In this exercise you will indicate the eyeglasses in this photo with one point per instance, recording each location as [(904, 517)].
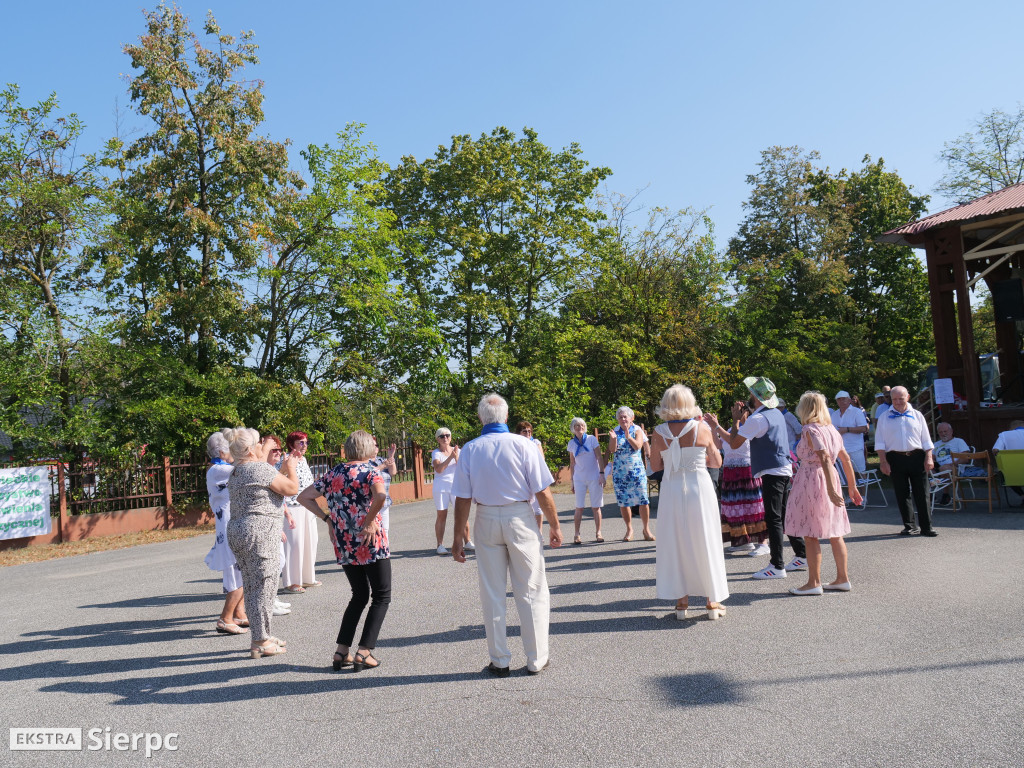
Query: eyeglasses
[(302, 442), (526, 432), (444, 437)]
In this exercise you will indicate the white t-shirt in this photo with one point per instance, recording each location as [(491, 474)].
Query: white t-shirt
[(446, 477), (942, 450), (854, 417), (1011, 440), (500, 468), (587, 466)]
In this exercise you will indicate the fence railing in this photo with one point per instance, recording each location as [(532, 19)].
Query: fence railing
[(92, 486)]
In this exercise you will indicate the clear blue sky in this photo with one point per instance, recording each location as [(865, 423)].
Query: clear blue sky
[(680, 97)]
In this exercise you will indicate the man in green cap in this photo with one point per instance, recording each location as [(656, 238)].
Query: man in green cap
[(765, 428)]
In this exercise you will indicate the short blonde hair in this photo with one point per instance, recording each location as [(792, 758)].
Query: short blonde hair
[(678, 402), (242, 441), (626, 410), (577, 420), (813, 409), (359, 446)]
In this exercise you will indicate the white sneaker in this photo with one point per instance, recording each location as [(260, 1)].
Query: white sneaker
[(771, 572), (281, 604), (280, 611), (760, 550), (796, 564), (469, 545), (748, 547), (442, 550)]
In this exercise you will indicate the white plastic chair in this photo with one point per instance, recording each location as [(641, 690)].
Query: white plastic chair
[(938, 482), (864, 482)]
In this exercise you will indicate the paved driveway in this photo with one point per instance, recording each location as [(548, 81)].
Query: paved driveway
[(921, 665)]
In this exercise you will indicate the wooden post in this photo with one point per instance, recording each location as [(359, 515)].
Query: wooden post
[(62, 495), (168, 492), (419, 481)]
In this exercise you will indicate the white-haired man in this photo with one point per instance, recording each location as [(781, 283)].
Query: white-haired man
[(905, 454), (500, 471)]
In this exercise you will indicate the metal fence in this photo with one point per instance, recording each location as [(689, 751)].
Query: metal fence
[(93, 486)]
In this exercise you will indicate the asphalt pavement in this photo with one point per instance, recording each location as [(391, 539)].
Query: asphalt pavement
[(922, 664)]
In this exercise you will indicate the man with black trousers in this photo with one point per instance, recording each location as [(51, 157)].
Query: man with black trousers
[(765, 428), (905, 454)]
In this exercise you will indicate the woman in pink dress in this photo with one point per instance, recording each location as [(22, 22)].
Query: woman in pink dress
[(815, 509)]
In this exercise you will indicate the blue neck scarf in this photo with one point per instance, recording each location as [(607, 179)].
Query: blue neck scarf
[(621, 433), (219, 460), (894, 414), (581, 445), (491, 429), (677, 421)]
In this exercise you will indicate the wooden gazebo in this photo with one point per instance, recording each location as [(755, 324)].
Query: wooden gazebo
[(979, 240)]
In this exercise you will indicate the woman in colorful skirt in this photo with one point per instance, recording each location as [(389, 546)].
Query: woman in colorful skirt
[(628, 474), (743, 525)]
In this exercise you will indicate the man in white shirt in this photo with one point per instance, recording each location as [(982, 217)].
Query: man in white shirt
[(947, 445), (905, 454), (852, 424), (1011, 440), (501, 471)]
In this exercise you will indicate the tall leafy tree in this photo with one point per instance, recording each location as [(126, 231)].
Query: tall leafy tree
[(652, 313), (503, 227), (985, 159), (196, 191), (54, 203), (819, 303)]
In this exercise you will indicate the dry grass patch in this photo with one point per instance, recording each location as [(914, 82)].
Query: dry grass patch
[(98, 544)]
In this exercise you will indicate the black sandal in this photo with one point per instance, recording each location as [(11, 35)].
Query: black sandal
[(341, 661), (359, 663)]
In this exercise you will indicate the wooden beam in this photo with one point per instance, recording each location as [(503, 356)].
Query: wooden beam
[(994, 238), (987, 269), (1010, 249)]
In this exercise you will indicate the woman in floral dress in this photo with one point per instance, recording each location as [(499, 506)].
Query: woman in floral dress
[(355, 495), (628, 474)]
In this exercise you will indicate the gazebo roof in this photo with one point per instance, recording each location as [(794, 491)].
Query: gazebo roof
[(992, 204)]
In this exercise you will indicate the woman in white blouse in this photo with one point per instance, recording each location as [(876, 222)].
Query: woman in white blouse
[(443, 460), (302, 537), (586, 472)]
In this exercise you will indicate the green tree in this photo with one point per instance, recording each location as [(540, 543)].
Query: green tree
[(820, 304), (53, 206), (503, 228), (986, 159), (652, 314), (196, 192)]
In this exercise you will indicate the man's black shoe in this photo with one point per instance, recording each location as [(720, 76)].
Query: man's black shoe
[(931, 533), (497, 671)]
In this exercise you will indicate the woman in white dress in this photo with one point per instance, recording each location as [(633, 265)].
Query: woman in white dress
[(232, 619), (689, 547), (443, 460), (303, 537), (586, 470)]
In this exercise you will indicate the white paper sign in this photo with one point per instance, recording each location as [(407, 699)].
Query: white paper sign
[(943, 390), (24, 502)]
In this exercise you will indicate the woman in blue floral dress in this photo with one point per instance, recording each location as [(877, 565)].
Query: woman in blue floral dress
[(628, 474), (355, 493)]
